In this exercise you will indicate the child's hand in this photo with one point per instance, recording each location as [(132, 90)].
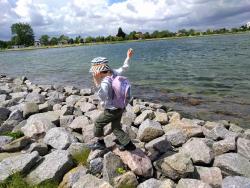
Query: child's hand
[(130, 53)]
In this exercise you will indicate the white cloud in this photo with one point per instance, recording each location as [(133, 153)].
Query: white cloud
[(100, 17)]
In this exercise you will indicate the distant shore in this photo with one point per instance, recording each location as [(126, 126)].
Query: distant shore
[(116, 42)]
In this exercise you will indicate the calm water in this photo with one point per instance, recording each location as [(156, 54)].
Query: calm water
[(206, 77)]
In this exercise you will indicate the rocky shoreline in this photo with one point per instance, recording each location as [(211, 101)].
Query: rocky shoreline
[(57, 124)]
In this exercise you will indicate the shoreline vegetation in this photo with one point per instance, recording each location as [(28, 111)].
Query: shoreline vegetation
[(56, 123), (23, 37), (116, 42)]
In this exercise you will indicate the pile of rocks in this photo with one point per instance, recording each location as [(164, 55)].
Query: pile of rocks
[(171, 151)]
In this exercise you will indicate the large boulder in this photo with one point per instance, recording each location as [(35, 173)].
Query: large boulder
[(65, 121), (137, 161), (218, 133), (127, 179), (54, 166), (175, 166), (111, 163), (152, 183), (192, 183), (161, 117), (86, 107), (90, 181), (79, 122), (149, 130), (147, 114), (59, 138), (17, 145), (243, 147), (224, 146), (236, 182), (21, 163), (176, 137), (35, 97), (5, 140), (4, 114), (96, 166), (233, 164), (29, 109), (160, 144), (93, 115)]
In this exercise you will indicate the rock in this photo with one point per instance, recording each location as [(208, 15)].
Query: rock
[(236, 128), (147, 114), (3, 98), (5, 140), (35, 97), (88, 133), (65, 121), (18, 127), (79, 122), (152, 183), (90, 181), (21, 163), (46, 88), (29, 109), (86, 107), (192, 183), (93, 115), (198, 151), (76, 148), (96, 153), (111, 163), (127, 179), (247, 134), (18, 95), (72, 99), (128, 118), (16, 115), (167, 183), (224, 146), (56, 97), (110, 140), (211, 124), (243, 147), (175, 166), (17, 145), (233, 164), (236, 182), (71, 90), (59, 138), (67, 110), (4, 114), (94, 99), (160, 144), (218, 133), (53, 167), (5, 155), (57, 107), (176, 137), (161, 117), (174, 117), (51, 116), (211, 176), (73, 176), (45, 107), (37, 126), (86, 92), (96, 166), (41, 148), (137, 161), (149, 130), (130, 130)]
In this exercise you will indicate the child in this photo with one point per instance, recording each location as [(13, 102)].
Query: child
[(101, 70)]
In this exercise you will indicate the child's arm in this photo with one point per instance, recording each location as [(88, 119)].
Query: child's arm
[(125, 64)]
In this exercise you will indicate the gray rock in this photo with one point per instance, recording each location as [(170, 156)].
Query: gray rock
[(17, 145), (35, 97), (128, 118), (3, 98), (53, 167), (198, 151), (65, 121), (8, 126), (111, 163), (175, 166), (79, 122), (51, 116), (218, 133), (247, 134), (16, 115), (56, 97), (127, 179), (4, 114), (5, 140), (224, 146), (72, 99), (18, 95), (152, 183), (176, 137), (21, 163), (160, 144), (59, 138), (5, 155), (71, 90), (46, 88), (236, 128), (192, 183), (243, 147), (211, 176), (110, 140), (236, 182), (147, 114), (233, 164), (95, 166), (29, 109), (161, 117), (94, 114), (86, 107), (73, 176), (57, 107), (211, 124), (88, 133), (130, 130), (94, 99), (149, 130), (96, 153), (45, 107), (41, 148), (76, 148), (86, 92), (167, 183), (67, 110), (18, 127), (90, 181)]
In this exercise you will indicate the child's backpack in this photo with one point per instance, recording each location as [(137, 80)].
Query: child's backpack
[(121, 87)]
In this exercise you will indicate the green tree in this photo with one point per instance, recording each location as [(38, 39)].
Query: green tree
[(77, 40), (71, 41), (3, 44), (22, 34), (132, 35), (44, 39), (53, 41), (89, 39), (121, 33)]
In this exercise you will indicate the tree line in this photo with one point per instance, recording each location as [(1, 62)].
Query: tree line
[(23, 35)]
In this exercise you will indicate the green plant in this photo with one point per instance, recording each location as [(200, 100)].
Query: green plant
[(14, 135), (120, 170), (81, 157)]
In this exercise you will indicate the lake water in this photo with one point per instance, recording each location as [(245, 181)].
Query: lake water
[(204, 77)]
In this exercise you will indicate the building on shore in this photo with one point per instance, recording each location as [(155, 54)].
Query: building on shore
[(37, 43)]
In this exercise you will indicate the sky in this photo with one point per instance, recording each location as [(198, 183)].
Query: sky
[(103, 17)]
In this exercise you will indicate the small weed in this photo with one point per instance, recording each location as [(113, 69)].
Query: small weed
[(14, 135), (120, 170), (81, 157)]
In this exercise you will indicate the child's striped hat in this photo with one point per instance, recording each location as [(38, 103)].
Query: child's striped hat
[(99, 64)]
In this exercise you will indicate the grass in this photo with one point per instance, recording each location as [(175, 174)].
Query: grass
[(120, 170), (17, 181), (14, 135), (82, 157)]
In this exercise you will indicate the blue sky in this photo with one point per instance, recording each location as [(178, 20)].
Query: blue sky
[(103, 17)]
